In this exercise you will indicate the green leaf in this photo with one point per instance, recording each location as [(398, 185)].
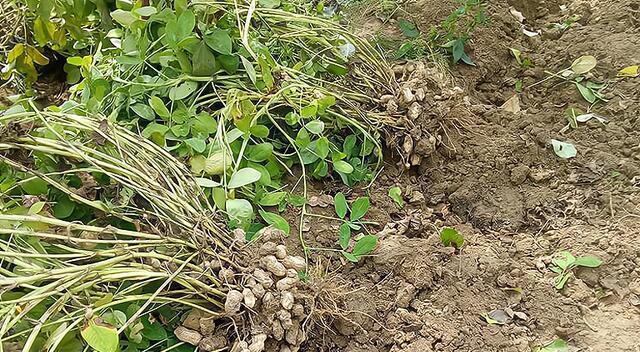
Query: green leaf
[(269, 4), (18, 50), (183, 90), (259, 131), (359, 208), (309, 111), (220, 198), (36, 208), (559, 345), (265, 68), (365, 245), (220, 41), (259, 152), (325, 102), (230, 63), (457, 50), (153, 331), (144, 111), (125, 18), (244, 177), (303, 139), (146, 11), (251, 70), (272, 199), (206, 182), (409, 29), (586, 93), (172, 33), (336, 69), (342, 166), (204, 123), (396, 194), (350, 257), (340, 204), (64, 207), (181, 130), (197, 144), (571, 114), (265, 174), (308, 154), (158, 106), (345, 236), (404, 49), (239, 210), (154, 128), (101, 336), (367, 147), (204, 62), (564, 260), (588, 261), (35, 187), (292, 118), (451, 238), (322, 147), (45, 7), (186, 24), (561, 280), (349, 145), (296, 200), (457, 47), (128, 60), (584, 64), (276, 221), (564, 150), (315, 126)]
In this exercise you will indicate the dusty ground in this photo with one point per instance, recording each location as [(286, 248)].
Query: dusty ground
[(495, 178)]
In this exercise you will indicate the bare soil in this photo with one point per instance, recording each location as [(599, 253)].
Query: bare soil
[(494, 177)]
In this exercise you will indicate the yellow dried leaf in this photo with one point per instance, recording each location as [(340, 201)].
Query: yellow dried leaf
[(631, 71), (37, 56)]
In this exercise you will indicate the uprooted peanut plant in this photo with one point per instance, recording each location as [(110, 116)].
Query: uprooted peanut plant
[(183, 119)]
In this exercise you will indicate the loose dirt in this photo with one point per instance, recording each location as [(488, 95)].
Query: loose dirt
[(493, 175), (463, 161)]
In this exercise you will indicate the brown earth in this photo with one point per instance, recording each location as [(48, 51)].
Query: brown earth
[(495, 178)]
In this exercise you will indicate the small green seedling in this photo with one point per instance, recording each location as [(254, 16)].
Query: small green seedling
[(356, 212), (524, 62), (450, 237), (455, 31), (590, 91), (414, 46), (558, 345), (565, 262), (396, 194), (576, 74), (519, 86), (575, 116), (566, 24)]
